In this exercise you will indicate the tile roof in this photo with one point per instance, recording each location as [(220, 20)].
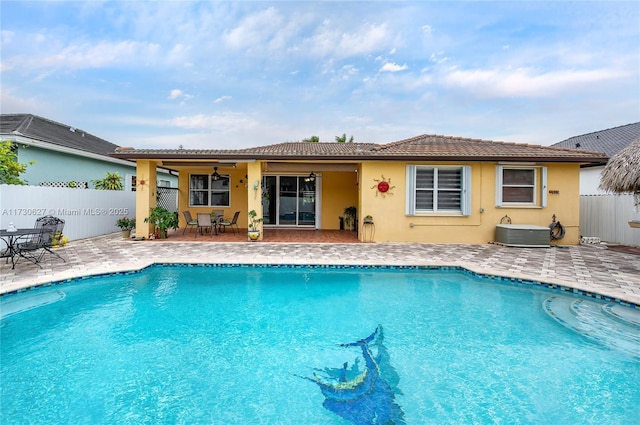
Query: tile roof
[(420, 148), (610, 141), (38, 128)]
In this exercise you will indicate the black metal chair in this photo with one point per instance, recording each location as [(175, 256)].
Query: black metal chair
[(36, 245)]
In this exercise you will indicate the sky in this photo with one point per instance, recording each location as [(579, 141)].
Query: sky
[(228, 75)]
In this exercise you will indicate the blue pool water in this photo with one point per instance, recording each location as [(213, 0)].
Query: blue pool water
[(243, 345)]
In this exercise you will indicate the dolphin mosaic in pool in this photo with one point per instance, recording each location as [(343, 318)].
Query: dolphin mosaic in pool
[(364, 397)]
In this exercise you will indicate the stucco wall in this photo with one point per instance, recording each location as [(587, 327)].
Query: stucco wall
[(393, 225), (343, 189), (339, 191), (237, 197)]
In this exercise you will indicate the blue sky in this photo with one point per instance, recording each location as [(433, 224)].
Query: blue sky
[(240, 74)]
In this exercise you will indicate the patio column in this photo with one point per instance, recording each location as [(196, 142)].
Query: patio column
[(254, 194), (146, 187)]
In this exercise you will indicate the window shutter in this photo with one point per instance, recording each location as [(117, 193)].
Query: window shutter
[(544, 186), (499, 186), (410, 208), (466, 190)]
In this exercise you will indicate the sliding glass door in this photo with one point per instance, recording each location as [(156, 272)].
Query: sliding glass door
[(289, 201)]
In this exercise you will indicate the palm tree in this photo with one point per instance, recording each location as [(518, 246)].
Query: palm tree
[(112, 181)]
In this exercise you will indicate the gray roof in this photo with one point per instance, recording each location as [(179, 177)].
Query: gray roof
[(42, 129), (610, 141)]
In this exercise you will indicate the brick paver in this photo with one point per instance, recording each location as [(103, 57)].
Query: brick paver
[(589, 268)]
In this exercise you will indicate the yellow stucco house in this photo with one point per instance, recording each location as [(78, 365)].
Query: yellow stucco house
[(434, 189)]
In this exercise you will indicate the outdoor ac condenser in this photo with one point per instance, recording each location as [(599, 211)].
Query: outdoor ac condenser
[(523, 235)]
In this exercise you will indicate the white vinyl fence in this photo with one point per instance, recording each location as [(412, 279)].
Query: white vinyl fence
[(86, 212), (607, 217)]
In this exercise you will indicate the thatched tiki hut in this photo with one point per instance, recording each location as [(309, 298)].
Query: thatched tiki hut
[(622, 172)]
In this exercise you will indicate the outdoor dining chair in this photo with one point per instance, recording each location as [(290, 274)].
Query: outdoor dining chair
[(233, 222), (204, 223), (36, 245), (190, 221)]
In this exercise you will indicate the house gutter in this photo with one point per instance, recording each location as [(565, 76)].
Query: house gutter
[(50, 146), (22, 140)]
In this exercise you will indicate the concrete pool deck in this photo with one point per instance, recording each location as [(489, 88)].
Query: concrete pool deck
[(588, 268)]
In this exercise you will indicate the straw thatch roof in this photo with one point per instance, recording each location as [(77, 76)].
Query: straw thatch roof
[(622, 172)]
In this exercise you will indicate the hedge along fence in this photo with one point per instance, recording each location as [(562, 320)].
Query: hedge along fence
[(86, 213)]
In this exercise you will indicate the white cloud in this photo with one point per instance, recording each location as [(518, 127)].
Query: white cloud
[(18, 104), (175, 93), (222, 99), (225, 122), (88, 55), (7, 36), (438, 57), (393, 67), (525, 82), (348, 71), (427, 29), (255, 30), (329, 41)]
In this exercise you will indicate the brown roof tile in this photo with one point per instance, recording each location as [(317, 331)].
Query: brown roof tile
[(447, 147), (419, 148)]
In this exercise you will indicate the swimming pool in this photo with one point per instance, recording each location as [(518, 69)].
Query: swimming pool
[(238, 344)]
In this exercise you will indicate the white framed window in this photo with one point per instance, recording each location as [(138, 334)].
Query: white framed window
[(521, 186), (205, 191), (130, 183), (438, 189)]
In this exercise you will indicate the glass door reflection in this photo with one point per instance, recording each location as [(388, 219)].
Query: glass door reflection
[(289, 201)]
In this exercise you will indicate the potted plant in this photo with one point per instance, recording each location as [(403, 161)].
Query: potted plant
[(367, 219), (126, 224), (254, 230), (350, 217), (162, 219), (58, 240)]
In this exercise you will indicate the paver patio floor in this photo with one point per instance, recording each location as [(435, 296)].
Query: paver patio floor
[(603, 271)]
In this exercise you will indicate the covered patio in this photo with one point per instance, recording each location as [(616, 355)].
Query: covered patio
[(295, 190)]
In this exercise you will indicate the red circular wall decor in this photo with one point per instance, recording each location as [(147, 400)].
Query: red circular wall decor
[(383, 186)]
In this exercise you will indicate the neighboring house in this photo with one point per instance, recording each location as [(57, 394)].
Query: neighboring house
[(610, 141), (64, 154), (435, 189)]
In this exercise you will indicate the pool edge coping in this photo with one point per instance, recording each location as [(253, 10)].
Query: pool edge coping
[(554, 285)]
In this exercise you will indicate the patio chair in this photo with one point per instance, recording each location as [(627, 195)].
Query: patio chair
[(226, 223), (190, 221), (36, 245), (204, 222)]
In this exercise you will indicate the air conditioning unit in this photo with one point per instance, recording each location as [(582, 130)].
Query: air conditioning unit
[(523, 235)]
